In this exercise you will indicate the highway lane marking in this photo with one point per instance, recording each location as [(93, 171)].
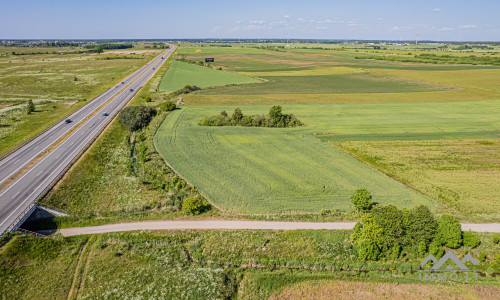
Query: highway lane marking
[(15, 195), (39, 173)]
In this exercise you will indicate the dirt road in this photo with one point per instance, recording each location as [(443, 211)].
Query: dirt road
[(221, 224)]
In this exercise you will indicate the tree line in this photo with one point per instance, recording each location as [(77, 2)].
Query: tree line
[(386, 232), (275, 118)]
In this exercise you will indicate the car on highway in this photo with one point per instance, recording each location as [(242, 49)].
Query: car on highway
[(105, 114), (131, 90), (67, 121), (123, 82)]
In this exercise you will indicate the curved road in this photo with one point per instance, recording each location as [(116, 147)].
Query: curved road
[(17, 200), (233, 225)]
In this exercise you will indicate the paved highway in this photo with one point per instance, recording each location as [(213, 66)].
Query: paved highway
[(18, 198)]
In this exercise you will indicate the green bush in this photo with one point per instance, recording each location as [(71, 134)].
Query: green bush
[(368, 250), (362, 200), (192, 206), (30, 107), (422, 248), (167, 106), (436, 249), (136, 117), (482, 257), (449, 232), (470, 239), (496, 239)]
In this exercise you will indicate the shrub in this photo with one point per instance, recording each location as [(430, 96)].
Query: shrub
[(368, 250), (167, 106), (192, 206), (362, 200), (436, 249), (496, 239), (396, 252), (30, 107), (277, 119), (482, 257), (325, 212), (449, 232), (422, 248), (136, 117), (470, 239)]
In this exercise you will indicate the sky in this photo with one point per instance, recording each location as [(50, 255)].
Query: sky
[(456, 20)]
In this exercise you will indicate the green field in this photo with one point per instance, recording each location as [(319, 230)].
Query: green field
[(49, 80), (462, 174), (211, 264), (260, 170), (182, 73)]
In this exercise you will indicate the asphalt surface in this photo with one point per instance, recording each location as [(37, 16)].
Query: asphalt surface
[(233, 225), (20, 195)]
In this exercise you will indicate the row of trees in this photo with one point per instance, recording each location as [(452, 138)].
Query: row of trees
[(384, 231), (275, 118)]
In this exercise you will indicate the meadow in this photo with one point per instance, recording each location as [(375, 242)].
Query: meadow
[(225, 264), (58, 82), (182, 73), (464, 175)]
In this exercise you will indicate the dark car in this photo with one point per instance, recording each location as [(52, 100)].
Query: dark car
[(131, 90), (67, 121), (123, 82), (105, 114)]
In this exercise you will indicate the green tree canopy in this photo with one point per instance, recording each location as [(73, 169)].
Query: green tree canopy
[(136, 117), (362, 200), (449, 232), (30, 107)]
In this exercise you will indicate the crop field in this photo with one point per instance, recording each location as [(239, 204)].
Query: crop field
[(182, 72), (337, 77), (262, 170), (57, 84)]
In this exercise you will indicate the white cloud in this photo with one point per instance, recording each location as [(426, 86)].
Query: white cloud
[(468, 26), (286, 16), (330, 21), (257, 22), (446, 29), (398, 28), (436, 9)]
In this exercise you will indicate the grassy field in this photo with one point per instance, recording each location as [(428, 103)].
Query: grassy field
[(182, 73), (295, 170), (203, 265), (462, 174), (49, 80)]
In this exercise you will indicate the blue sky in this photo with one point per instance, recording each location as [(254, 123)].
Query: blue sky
[(315, 19)]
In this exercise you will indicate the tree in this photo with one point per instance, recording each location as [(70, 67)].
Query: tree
[(136, 117), (391, 221), (362, 200), (223, 113), (275, 113), (449, 232), (237, 115), (368, 250), (470, 239), (436, 249), (75, 79), (496, 239), (30, 107), (420, 225), (422, 248), (167, 106), (192, 206)]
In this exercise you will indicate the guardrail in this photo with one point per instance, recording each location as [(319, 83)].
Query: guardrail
[(32, 206)]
